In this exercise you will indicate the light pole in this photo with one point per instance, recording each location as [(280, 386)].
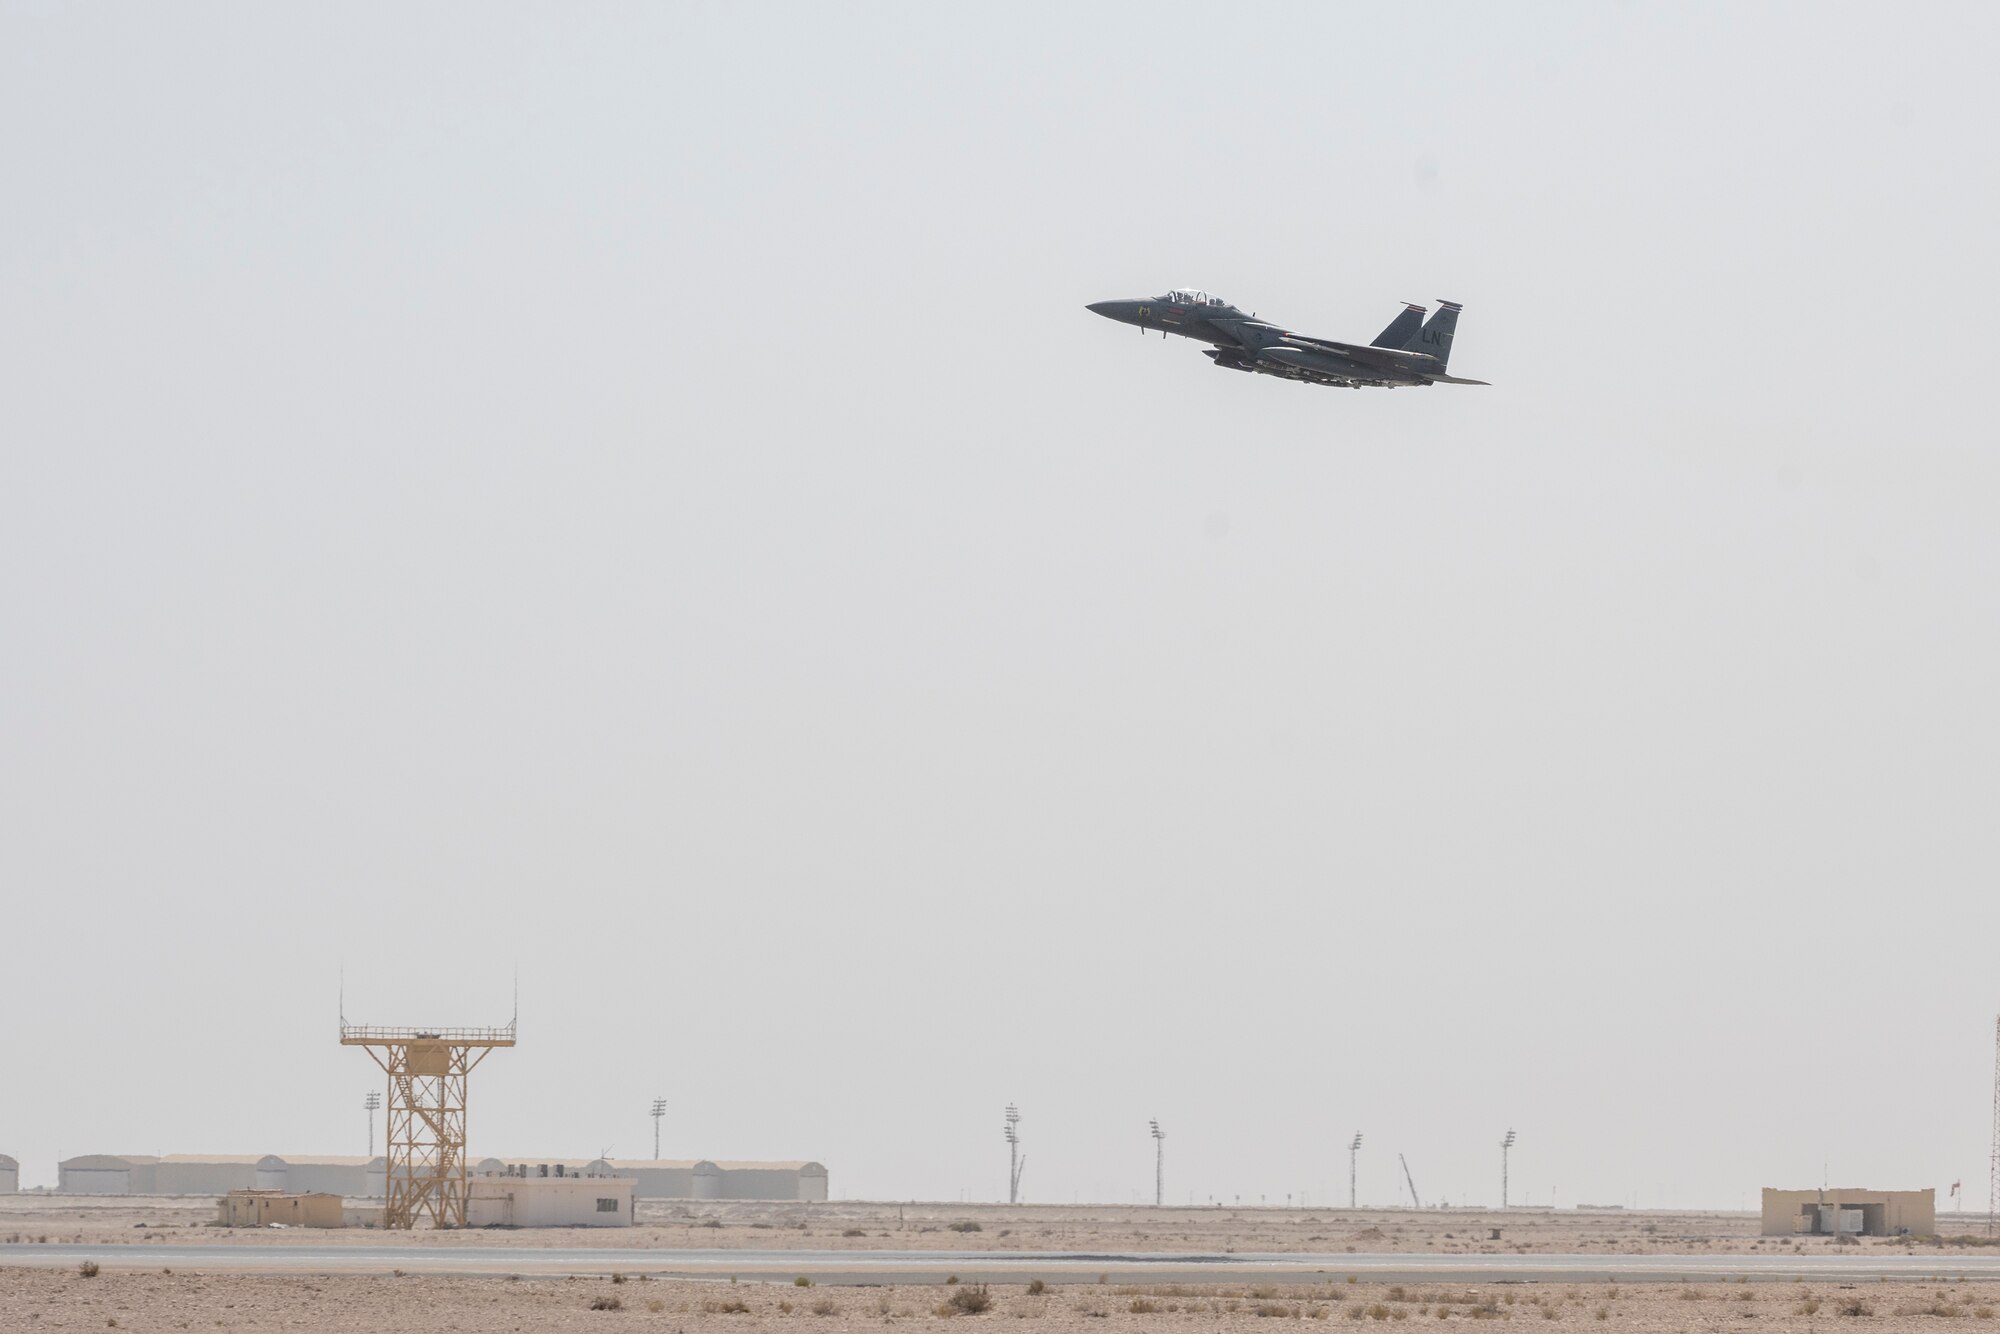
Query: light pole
[(1159, 1163), (1014, 1160), (659, 1110), (1505, 1145), (371, 1102), (1352, 1150)]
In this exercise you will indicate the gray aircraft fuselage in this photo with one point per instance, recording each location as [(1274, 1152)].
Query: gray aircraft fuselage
[(1409, 352)]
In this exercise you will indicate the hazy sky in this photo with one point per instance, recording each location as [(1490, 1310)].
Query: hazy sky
[(633, 492)]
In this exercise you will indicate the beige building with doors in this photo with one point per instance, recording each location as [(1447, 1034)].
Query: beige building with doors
[(1850, 1212), (270, 1208)]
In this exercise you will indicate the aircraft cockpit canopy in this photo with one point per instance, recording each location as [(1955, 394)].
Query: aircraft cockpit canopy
[(1188, 296)]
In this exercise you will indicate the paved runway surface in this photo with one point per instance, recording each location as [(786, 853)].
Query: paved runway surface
[(908, 1267)]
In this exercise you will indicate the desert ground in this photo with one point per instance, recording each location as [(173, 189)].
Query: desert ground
[(62, 1299), (135, 1294), (866, 1226)]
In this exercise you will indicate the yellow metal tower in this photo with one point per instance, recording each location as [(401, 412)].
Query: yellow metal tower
[(425, 1138)]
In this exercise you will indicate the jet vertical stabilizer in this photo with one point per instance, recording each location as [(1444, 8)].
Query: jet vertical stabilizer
[(1401, 329), (1434, 339)]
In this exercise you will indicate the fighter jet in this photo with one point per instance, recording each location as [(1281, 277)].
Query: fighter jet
[(1411, 351)]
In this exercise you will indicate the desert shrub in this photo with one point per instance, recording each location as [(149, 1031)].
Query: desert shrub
[(1856, 1306), (606, 1304), (729, 1306), (825, 1306), (1603, 1313), (617, 1277), (1036, 1287), (1378, 1312), (967, 1226), (1143, 1306), (709, 1222), (88, 1269), (1692, 1295), (1399, 1293), (969, 1300), (655, 1305), (784, 1308), (1550, 1313), (855, 1232), (802, 1282), (1810, 1306)]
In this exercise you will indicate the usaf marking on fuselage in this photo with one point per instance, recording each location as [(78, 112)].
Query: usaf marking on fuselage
[(1411, 351)]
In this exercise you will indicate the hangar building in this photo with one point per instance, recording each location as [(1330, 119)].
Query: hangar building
[(1867, 1213), (10, 1175), (107, 1174), (679, 1179), (211, 1174)]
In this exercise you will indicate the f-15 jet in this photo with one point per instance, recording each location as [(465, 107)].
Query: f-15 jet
[(1411, 351)]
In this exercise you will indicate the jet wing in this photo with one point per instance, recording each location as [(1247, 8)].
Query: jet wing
[(1388, 358)]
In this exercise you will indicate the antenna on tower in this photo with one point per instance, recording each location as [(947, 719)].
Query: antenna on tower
[(1015, 1160)]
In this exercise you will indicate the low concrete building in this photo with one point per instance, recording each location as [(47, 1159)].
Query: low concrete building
[(551, 1201), (1866, 1213), (10, 1175), (271, 1208), (107, 1174)]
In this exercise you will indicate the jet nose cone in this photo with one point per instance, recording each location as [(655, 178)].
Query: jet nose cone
[(1101, 307)]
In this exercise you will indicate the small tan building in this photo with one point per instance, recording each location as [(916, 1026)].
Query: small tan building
[(1865, 1213), (551, 1201), (270, 1208)]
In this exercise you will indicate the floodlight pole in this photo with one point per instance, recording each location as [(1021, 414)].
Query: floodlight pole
[(1505, 1145), (659, 1110), (1159, 1163), (371, 1102), (1014, 1162), (1352, 1150)]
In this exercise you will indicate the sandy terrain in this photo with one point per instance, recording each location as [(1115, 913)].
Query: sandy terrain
[(930, 1226), (46, 1300), (59, 1297)]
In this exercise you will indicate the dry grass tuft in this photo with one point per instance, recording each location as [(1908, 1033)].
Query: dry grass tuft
[(606, 1304), (969, 1300)]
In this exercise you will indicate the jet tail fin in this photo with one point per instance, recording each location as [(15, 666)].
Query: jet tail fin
[(1401, 329), (1434, 339)]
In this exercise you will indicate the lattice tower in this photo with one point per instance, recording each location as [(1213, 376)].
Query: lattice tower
[(425, 1134)]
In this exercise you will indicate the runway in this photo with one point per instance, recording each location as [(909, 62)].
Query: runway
[(879, 1268)]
